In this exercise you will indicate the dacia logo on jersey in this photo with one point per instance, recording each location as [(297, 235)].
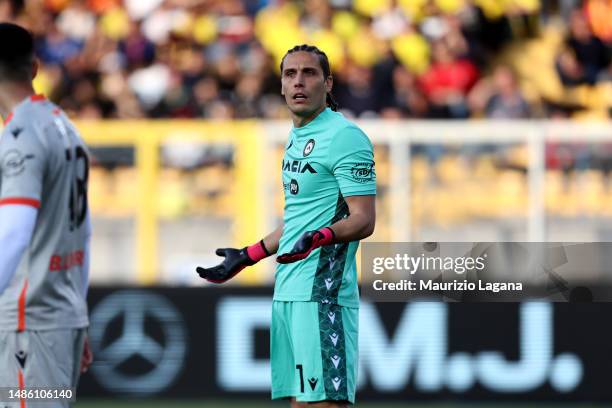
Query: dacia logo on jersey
[(309, 147), (295, 166), (13, 162), (363, 172)]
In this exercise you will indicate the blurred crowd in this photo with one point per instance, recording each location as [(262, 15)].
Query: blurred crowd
[(219, 59)]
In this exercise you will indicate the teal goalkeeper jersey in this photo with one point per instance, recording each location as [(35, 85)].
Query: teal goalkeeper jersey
[(325, 161)]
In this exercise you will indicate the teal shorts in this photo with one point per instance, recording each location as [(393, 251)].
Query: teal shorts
[(314, 351)]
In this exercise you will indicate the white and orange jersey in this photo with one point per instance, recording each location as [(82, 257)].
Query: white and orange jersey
[(44, 164)]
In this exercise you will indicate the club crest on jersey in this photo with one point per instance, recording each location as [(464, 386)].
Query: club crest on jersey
[(309, 147)]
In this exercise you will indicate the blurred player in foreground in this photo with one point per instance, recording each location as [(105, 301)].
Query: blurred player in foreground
[(330, 186), (44, 232)]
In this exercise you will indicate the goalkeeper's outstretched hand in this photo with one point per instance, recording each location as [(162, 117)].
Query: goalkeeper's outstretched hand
[(235, 261), (308, 242)]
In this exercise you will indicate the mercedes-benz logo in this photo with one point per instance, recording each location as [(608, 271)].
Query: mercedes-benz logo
[(139, 342)]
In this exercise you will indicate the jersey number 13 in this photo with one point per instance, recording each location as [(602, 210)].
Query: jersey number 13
[(77, 202)]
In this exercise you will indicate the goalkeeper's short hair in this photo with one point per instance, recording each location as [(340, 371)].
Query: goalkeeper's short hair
[(16, 53)]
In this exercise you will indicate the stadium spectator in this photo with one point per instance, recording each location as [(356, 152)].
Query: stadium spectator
[(499, 96), (136, 50), (590, 51), (56, 47), (447, 82), (408, 96), (355, 91)]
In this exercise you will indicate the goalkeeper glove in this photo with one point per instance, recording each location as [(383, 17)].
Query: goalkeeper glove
[(235, 261), (308, 242)]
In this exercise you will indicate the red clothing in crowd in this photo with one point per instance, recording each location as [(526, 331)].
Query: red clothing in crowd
[(458, 76)]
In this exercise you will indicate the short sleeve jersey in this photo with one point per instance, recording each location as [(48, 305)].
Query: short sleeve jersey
[(44, 164), (326, 160)]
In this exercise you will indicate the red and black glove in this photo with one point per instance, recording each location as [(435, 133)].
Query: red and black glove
[(308, 242), (235, 261)]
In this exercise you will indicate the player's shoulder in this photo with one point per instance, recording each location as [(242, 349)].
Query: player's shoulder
[(32, 114), (19, 130), (346, 131), (25, 127)]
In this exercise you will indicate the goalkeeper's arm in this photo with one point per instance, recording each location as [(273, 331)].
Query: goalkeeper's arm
[(272, 239), (358, 225), (361, 220), (238, 259)]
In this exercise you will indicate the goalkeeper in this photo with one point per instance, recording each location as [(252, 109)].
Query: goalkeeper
[(330, 185)]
